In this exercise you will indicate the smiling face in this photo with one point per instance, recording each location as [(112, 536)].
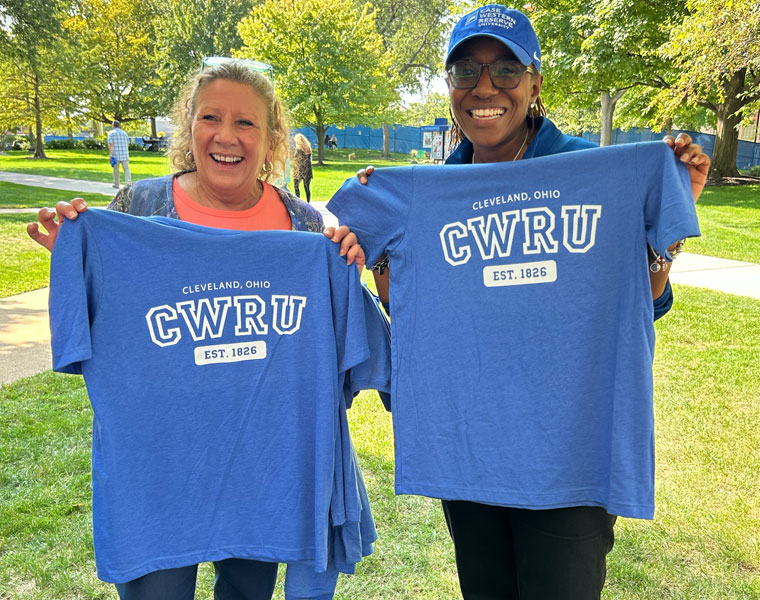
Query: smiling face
[(229, 139), (493, 119)]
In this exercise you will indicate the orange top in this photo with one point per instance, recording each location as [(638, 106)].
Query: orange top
[(268, 213)]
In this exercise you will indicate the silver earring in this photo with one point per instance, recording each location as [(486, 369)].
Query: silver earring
[(268, 167), (189, 154), (533, 106)]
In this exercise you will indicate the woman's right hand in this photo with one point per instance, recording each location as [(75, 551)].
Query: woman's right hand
[(363, 174), (46, 218)]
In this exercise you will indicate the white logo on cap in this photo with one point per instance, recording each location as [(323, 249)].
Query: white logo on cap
[(471, 19), (538, 58)]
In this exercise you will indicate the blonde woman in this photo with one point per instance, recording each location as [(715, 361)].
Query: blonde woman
[(302, 165)]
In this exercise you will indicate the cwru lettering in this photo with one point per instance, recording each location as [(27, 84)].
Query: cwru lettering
[(206, 318), (493, 235)]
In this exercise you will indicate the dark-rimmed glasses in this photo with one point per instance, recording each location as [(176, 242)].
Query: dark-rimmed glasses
[(504, 74)]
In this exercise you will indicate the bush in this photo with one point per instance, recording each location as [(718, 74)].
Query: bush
[(16, 142), (134, 147), (754, 170), (64, 145), (95, 144)]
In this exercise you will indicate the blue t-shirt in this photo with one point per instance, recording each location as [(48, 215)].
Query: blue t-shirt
[(216, 378), (522, 321)]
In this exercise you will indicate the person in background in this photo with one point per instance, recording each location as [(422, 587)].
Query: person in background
[(333, 142), (231, 140), (118, 153), (493, 68), (302, 170)]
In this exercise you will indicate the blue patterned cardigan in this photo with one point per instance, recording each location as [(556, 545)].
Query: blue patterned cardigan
[(154, 197)]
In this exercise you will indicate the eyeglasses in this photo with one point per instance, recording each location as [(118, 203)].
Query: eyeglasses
[(504, 74), (209, 62)]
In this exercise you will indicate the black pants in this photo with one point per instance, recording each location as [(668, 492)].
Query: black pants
[(235, 579), (513, 553), (305, 187)]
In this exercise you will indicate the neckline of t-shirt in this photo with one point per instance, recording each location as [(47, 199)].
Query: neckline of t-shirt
[(184, 198)]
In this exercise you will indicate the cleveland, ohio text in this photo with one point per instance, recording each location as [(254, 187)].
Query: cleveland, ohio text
[(493, 235)]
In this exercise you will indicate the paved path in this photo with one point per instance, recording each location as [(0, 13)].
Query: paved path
[(24, 332), (58, 183)]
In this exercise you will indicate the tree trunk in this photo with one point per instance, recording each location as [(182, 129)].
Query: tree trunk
[(39, 147), (320, 131), (387, 142), (153, 132), (727, 138), (608, 110)]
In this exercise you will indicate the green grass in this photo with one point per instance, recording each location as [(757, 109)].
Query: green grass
[(702, 544), (729, 217), (13, 195), (91, 165), (24, 264)]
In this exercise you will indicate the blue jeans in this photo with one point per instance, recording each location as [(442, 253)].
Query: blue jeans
[(235, 579)]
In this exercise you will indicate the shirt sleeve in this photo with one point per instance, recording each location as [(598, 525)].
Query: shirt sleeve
[(375, 372), (352, 346), (378, 211), (669, 210), (73, 278)]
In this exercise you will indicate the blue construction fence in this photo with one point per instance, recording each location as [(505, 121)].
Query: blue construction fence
[(404, 139)]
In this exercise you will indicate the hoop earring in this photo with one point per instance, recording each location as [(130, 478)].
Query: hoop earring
[(268, 167), (189, 155)]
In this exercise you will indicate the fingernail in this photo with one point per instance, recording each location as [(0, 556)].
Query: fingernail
[(84, 204)]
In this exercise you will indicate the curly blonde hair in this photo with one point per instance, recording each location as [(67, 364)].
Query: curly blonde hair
[(302, 143), (184, 112)]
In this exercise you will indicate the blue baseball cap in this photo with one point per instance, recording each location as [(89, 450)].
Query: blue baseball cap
[(511, 27)]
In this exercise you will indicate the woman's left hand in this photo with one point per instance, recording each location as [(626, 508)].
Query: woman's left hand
[(692, 156), (349, 244)]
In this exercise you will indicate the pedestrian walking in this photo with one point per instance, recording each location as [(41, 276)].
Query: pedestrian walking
[(118, 153)]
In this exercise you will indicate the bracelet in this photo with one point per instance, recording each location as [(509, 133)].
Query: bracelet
[(381, 265), (659, 263)]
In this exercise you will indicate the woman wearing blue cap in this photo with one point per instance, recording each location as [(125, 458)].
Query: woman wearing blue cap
[(493, 67)]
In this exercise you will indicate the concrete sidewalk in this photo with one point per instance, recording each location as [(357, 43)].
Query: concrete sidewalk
[(59, 183), (94, 187)]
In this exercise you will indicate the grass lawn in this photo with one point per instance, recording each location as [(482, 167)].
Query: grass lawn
[(24, 264), (13, 195), (729, 217), (91, 165), (701, 545)]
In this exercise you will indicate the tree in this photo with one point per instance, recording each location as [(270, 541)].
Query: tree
[(116, 59), (430, 107), (415, 30), (595, 52), (716, 49), (329, 61), (29, 36), (185, 32)]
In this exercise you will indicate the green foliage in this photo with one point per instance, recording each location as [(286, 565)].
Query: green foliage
[(432, 106), (716, 52), (416, 31), (114, 58), (94, 144), (185, 32), (329, 61)]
